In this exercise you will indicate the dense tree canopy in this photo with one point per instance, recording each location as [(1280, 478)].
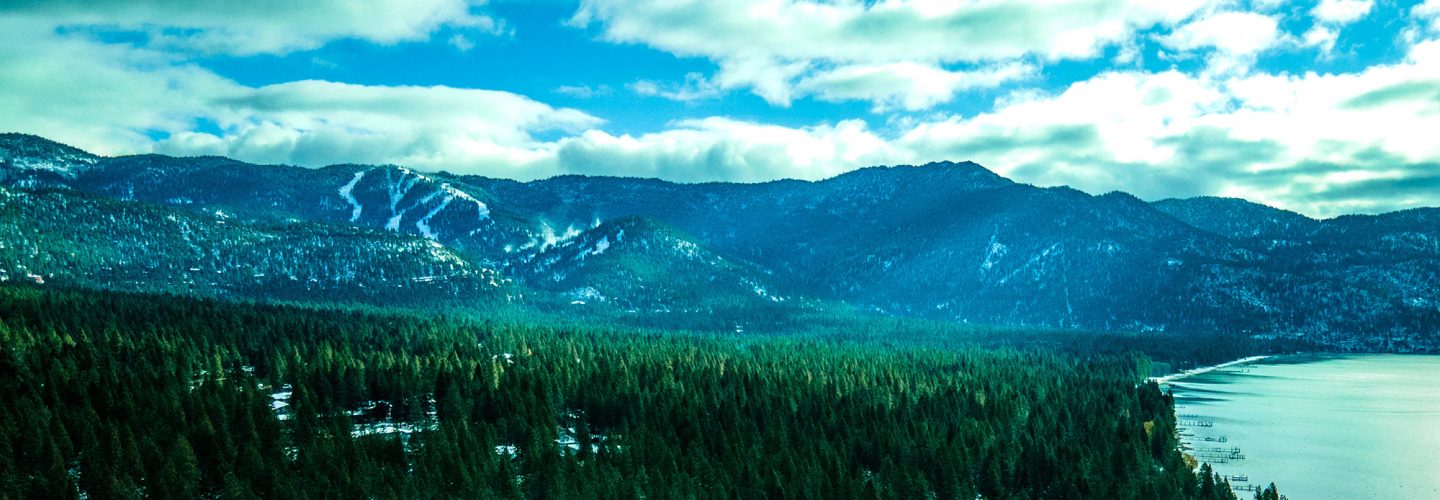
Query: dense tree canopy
[(118, 395)]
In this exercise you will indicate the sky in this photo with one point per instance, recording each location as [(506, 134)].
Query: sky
[(1323, 107)]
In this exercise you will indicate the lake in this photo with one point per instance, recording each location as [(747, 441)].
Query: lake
[(1361, 426)]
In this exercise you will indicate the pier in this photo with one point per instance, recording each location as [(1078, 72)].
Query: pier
[(1207, 448)]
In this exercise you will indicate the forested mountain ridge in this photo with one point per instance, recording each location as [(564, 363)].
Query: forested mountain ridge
[(642, 265), (949, 241), (67, 238)]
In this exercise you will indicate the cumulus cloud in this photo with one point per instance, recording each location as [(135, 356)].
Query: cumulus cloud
[(1234, 37), (695, 87), (1330, 17), (103, 97), (1238, 33), (315, 122), (776, 48), (1322, 37), (1322, 144), (584, 91), (118, 99), (256, 26), (878, 32), (461, 42), (1429, 12), (723, 149), (1341, 11), (1105, 132), (906, 85)]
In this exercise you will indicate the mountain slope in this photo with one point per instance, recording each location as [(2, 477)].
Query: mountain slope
[(949, 241), (30, 161), (638, 264), (380, 197), (943, 240), (1238, 218), (77, 239)]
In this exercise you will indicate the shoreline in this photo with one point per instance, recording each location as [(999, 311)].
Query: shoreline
[(1206, 369)]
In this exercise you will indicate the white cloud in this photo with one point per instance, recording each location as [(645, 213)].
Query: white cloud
[(104, 98), (1430, 8), (461, 43), (880, 32), (1075, 136), (258, 26), (1236, 37), (1321, 37), (49, 86), (1268, 5), (773, 47), (1239, 33), (315, 123), (1323, 144), (903, 85), (906, 85), (1341, 11), (584, 91), (1330, 17), (714, 149), (771, 79), (695, 87), (1428, 11)]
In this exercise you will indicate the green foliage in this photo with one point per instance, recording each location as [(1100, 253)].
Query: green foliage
[(1269, 493), (118, 395)]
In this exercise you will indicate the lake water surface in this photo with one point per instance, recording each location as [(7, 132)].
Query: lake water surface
[(1343, 427)]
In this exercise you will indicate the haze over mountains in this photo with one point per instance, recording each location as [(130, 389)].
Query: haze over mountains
[(949, 241)]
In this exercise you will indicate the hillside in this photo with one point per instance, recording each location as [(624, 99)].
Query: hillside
[(76, 239), (945, 241)]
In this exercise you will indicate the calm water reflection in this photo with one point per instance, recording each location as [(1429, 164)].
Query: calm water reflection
[(1365, 426)]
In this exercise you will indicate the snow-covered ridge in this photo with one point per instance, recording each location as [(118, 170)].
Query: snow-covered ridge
[(399, 185)]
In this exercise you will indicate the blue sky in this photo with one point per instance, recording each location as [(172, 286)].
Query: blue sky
[(1325, 107)]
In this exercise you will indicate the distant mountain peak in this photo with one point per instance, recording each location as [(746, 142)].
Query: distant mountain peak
[(942, 175), (33, 158), (16, 139)]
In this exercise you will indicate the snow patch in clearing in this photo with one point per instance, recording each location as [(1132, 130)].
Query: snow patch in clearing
[(424, 223), (549, 239), (397, 190), (348, 193)]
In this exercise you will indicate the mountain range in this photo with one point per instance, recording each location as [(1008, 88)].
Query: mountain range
[(945, 241)]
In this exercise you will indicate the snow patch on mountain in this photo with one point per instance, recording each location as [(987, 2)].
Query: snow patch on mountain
[(993, 252), (26, 153), (424, 223), (549, 239), (398, 189), (1037, 259), (348, 193)]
